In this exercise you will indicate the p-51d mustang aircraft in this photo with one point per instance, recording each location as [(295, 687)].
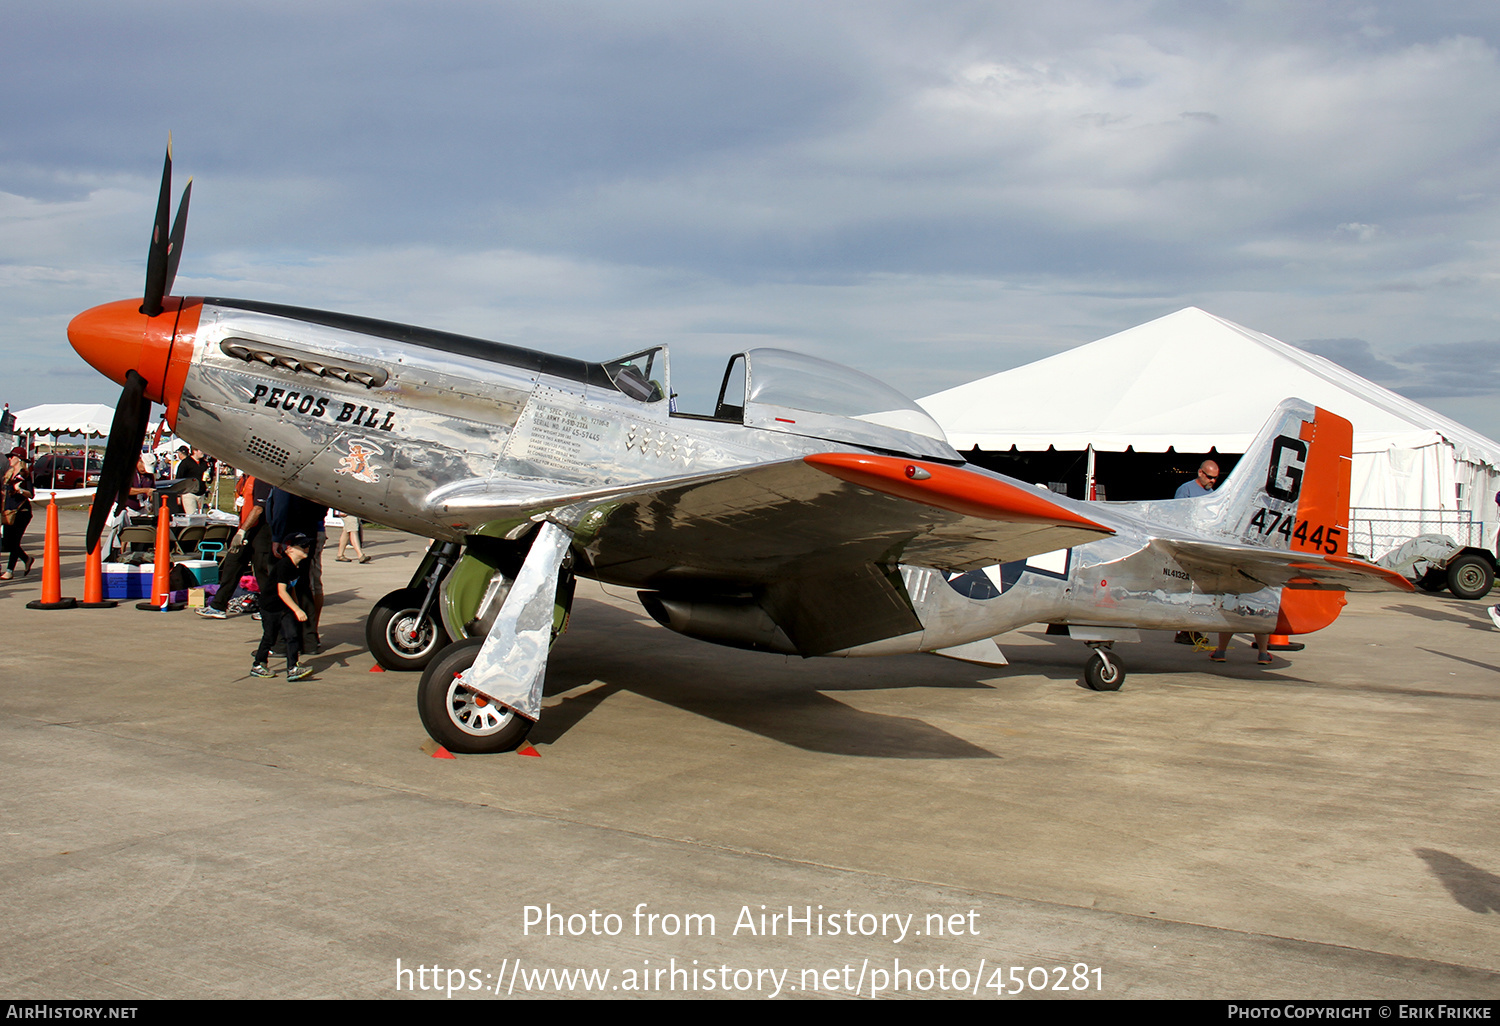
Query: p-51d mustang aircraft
[(815, 512)]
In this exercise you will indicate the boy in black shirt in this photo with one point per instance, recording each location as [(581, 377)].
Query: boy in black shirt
[(283, 606)]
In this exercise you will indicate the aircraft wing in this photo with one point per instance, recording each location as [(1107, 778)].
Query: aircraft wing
[(1237, 569), (757, 523), (816, 541)]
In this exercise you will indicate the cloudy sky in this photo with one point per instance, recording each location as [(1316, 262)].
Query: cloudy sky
[(933, 191)]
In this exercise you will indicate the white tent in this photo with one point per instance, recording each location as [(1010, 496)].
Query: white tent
[(1192, 382), (65, 419)]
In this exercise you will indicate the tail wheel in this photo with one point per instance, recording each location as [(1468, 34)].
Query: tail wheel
[(1102, 674)]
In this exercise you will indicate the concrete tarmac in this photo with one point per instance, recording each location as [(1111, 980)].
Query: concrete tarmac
[(171, 827)]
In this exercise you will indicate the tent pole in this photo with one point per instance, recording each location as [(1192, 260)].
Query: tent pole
[(1088, 476)]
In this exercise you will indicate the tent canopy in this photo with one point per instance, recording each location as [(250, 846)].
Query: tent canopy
[(66, 419), (1194, 382), (1189, 381)]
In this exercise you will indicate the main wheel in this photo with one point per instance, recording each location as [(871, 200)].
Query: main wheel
[(1103, 676), (396, 639), (1470, 577), (462, 720)]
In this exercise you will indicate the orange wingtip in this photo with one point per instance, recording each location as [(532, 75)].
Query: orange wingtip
[(954, 489)]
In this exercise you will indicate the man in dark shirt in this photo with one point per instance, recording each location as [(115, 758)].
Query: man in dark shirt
[(251, 545), (291, 514), (197, 468)]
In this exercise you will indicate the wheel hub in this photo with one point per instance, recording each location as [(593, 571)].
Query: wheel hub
[(409, 636), (472, 712)]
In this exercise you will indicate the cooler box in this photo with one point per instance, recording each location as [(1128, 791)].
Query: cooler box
[(204, 571), (123, 581)]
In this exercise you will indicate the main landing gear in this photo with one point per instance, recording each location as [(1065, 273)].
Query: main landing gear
[(405, 629), (482, 694), (460, 718)]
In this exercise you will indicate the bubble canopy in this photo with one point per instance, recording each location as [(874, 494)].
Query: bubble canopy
[(804, 395)]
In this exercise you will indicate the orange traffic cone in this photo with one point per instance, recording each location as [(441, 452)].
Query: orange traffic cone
[(1284, 643), (52, 567), (93, 579), (161, 569)]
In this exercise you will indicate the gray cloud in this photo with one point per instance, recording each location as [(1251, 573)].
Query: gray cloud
[(933, 190), (1354, 354), (1433, 370)]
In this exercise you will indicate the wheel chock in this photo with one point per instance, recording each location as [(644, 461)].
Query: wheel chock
[(526, 749), (436, 750)]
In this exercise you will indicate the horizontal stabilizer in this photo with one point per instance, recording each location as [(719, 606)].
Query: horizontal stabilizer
[(1240, 569)]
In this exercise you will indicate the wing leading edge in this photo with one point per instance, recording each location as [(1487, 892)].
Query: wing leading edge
[(815, 542)]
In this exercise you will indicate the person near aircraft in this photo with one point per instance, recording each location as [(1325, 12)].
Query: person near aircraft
[(1262, 645), (1206, 481), (250, 546), (17, 504), (282, 611), (144, 484), (291, 516), (198, 468), (350, 536)]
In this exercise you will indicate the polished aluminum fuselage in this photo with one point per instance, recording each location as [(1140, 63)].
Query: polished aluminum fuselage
[(389, 429)]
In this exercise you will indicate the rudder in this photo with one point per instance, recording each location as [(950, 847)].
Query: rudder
[(1290, 492)]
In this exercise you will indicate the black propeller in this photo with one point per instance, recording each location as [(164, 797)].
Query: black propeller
[(166, 249), (128, 429), (126, 433)]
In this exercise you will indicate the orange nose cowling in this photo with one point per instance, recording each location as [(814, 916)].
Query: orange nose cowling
[(117, 337)]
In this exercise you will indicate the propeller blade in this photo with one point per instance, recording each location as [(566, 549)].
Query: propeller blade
[(121, 452), (156, 256), (174, 247)]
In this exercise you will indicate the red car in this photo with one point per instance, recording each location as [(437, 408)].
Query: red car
[(53, 471)]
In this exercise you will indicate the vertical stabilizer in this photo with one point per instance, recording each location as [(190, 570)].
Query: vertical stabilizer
[(1290, 492)]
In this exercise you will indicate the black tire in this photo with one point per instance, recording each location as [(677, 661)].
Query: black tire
[(1470, 577), (1433, 580), (459, 719), (389, 626), (1102, 676)]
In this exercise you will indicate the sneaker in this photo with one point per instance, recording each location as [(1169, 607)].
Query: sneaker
[(298, 672), (213, 614), (262, 670), (255, 615), (1495, 616)]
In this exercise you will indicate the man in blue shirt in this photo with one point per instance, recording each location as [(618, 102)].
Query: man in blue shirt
[(1206, 481)]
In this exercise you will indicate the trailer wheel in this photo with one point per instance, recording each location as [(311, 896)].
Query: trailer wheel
[(1433, 580), (1470, 577)]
